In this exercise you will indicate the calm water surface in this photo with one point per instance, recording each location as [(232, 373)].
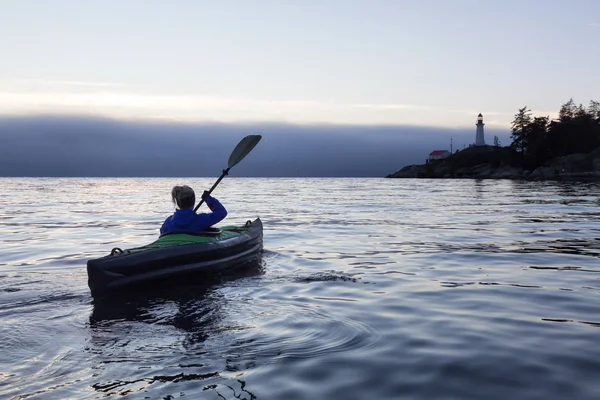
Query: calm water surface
[(369, 289)]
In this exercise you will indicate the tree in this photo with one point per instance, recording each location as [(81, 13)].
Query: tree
[(496, 141), (580, 111), (537, 134), (576, 131), (519, 129), (537, 140), (568, 111), (594, 110)]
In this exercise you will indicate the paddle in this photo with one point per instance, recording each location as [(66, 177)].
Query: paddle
[(244, 147)]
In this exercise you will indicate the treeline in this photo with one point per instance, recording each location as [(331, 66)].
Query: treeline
[(539, 139)]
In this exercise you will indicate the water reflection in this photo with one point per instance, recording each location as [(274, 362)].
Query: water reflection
[(193, 296), (563, 188), (163, 337), (192, 308), (479, 186)]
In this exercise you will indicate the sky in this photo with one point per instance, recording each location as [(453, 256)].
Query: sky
[(403, 63)]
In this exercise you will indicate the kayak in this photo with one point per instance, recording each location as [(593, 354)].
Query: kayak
[(175, 255)]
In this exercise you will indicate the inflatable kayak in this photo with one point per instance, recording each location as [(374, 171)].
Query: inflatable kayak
[(175, 255)]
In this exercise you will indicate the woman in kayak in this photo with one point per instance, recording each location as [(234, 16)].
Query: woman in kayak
[(185, 219)]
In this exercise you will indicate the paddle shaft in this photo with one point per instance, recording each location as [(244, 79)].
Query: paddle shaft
[(244, 147), (225, 172)]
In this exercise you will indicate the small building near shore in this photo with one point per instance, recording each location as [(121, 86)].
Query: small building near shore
[(438, 155)]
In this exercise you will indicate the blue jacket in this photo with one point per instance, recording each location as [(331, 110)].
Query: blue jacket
[(187, 221)]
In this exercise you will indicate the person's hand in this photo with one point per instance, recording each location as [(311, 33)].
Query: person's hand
[(205, 194)]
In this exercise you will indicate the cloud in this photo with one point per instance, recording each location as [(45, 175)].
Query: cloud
[(107, 99), (92, 146), (67, 83), (596, 25), (415, 107), (36, 96)]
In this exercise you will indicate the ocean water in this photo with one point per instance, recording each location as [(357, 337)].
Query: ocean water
[(368, 289)]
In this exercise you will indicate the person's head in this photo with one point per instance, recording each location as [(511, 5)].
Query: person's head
[(183, 196)]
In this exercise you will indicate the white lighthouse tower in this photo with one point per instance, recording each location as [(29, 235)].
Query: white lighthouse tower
[(479, 140)]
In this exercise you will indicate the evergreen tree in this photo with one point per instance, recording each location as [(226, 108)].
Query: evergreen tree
[(576, 131), (537, 146), (567, 111), (580, 111), (537, 140), (594, 110), (519, 129)]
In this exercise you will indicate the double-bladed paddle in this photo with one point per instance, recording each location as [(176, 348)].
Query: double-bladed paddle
[(244, 147)]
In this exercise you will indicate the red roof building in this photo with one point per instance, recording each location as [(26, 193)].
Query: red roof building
[(438, 154)]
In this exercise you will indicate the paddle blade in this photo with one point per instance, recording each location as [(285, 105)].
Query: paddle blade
[(244, 147)]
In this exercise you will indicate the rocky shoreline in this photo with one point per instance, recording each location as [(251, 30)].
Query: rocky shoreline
[(571, 167)]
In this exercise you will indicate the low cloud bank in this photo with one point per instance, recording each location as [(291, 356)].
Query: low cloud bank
[(96, 147)]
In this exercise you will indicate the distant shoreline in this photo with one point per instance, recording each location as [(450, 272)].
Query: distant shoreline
[(488, 162)]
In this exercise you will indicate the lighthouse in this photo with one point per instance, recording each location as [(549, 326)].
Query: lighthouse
[(479, 140)]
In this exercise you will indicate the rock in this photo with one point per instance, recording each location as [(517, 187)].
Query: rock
[(442, 169), (410, 171), (495, 163), (482, 171), (508, 172)]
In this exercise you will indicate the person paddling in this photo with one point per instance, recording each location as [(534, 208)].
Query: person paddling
[(185, 219)]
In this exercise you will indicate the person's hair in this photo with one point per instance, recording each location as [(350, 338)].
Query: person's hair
[(183, 196)]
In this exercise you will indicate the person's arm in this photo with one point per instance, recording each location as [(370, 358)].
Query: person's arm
[(165, 225), (218, 211)]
